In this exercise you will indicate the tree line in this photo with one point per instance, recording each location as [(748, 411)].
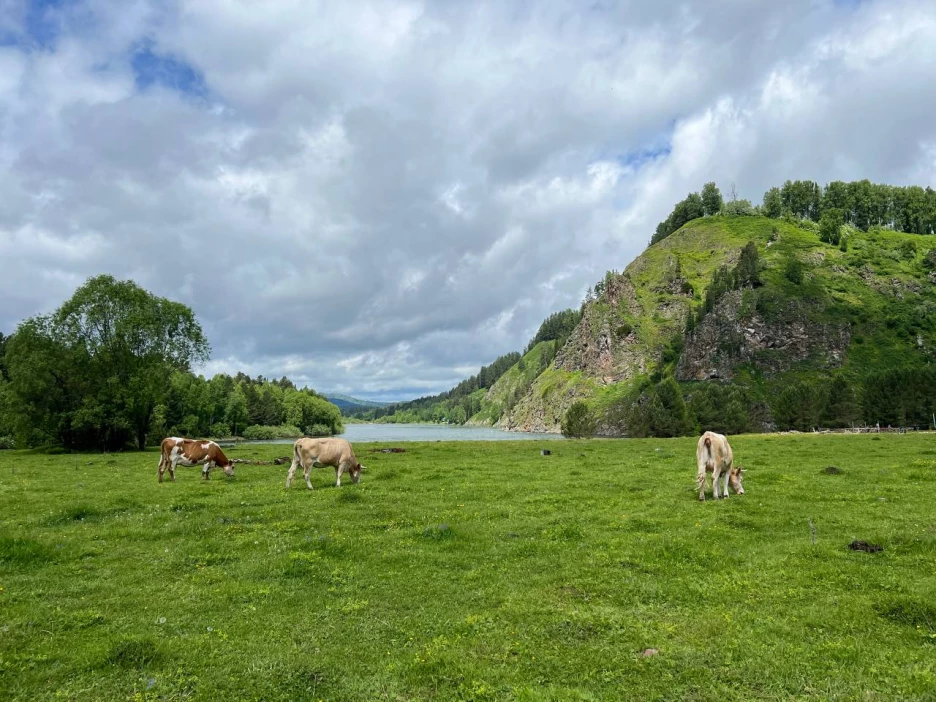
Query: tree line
[(861, 203), (112, 367), (458, 405), (903, 397)]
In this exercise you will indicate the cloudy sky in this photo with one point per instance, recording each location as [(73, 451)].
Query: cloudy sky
[(378, 197)]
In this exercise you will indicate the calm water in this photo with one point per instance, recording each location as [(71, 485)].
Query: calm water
[(429, 432)]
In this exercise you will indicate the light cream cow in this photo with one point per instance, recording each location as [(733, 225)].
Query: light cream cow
[(713, 455), (324, 452)]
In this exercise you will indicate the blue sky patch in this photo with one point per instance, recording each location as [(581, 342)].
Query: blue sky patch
[(42, 23), (151, 68)]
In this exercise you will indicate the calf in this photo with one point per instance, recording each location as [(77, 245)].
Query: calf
[(713, 455), (191, 452), (324, 452)]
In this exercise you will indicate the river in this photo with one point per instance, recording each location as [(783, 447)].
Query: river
[(392, 433)]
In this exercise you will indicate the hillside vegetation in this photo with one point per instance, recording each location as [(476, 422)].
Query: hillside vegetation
[(817, 325), (474, 571), (810, 310)]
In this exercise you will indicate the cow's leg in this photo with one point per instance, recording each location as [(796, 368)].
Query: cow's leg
[(716, 474), (305, 472), (161, 468), (292, 472), (725, 483), (338, 471), (700, 482), (171, 464), (206, 470)]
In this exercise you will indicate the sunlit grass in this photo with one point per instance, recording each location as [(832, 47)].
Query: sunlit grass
[(475, 571)]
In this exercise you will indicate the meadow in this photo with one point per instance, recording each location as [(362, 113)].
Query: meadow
[(475, 571)]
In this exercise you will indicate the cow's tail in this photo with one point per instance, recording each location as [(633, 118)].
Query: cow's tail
[(296, 461)]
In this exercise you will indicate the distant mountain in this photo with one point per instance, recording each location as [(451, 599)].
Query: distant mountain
[(349, 405)]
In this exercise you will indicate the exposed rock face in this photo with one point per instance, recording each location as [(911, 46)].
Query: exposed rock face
[(604, 346), (539, 414), (728, 337)]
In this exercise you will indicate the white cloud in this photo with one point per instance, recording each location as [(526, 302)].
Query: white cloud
[(376, 197)]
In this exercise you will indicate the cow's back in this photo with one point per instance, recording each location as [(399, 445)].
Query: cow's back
[(327, 451)]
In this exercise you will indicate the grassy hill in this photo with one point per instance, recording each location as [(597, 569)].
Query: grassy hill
[(474, 571), (797, 333), (819, 311), (514, 384)]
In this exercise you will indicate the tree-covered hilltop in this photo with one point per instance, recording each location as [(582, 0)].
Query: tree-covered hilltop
[(112, 367), (861, 203)]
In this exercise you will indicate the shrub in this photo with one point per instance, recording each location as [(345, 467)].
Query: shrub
[(258, 432), (738, 208), (7, 442), (219, 430), (793, 271), (578, 421)]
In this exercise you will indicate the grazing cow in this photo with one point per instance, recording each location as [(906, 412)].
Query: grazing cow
[(324, 452), (191, 452), (713, 455)]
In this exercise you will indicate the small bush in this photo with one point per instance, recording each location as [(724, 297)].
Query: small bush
[(320, 430), (578, 421), (7, 442), (219, 430), (257, 432), (738, 208), (929, 260), (793, 271)]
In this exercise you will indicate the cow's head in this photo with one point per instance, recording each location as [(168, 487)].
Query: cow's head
[(735, 478), (356, 471), (228, 469)]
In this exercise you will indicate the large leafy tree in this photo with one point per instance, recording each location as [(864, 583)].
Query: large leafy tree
[(92, 373), (711, 199), (830, 226)]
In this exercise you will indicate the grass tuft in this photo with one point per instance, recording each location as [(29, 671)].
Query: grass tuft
[(916, 613), (15, 551), (135, 653)]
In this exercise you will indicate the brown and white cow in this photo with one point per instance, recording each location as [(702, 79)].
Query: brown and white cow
[(191, 452), (324, 452), (713, 455)]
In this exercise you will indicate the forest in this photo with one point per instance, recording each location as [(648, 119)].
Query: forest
[(861, 203), (112, 369)]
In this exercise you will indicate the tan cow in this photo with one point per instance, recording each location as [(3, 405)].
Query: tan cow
[(324, 452), (713, 455), (191, 452)]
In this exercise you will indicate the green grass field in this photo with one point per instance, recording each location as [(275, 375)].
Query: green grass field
[(475, 571)]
